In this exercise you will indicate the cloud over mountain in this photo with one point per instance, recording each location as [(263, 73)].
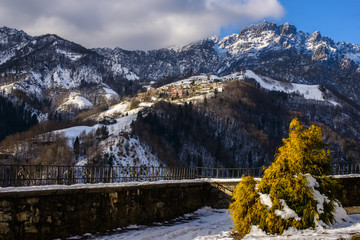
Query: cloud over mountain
[(129, 24)]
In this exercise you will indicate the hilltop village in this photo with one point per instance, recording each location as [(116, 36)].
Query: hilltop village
[(192, 89)]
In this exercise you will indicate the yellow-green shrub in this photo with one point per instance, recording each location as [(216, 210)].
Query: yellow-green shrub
[(301, 156)]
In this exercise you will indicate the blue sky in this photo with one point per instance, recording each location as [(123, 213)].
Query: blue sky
[(338, 19), (154, 24)]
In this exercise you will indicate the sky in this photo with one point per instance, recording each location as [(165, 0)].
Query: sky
[(154, 24)]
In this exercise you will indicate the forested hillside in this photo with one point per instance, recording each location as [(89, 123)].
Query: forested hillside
[(242, 127)]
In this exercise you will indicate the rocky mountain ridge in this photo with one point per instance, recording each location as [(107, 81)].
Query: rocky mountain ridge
[(36, 64), (279, 51), (48, 69)]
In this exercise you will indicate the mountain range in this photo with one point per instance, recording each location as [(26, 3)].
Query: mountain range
[(278, 51), (303, 75), (48, 61)]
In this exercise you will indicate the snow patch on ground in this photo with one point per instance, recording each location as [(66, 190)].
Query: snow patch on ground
[(311, 92), (122, 124), (110, 94), (61, 78), (129, 152), (71, 55), (307, 91), (216, 224), (123, 149), (77, 101), (116, 110), (204, 224), (344, 231), (120, 70)]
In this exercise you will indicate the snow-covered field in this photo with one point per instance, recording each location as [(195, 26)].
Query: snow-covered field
[(122, 124), (208, 223)]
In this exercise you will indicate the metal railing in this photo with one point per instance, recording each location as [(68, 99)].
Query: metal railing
[(345, 168), (202, 172), (32, 175)]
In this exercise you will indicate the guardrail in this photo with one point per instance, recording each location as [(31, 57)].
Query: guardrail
[(202, 172), (346, 168), (31, 175)]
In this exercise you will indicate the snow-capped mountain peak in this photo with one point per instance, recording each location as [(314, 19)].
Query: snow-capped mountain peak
[(46, 66)]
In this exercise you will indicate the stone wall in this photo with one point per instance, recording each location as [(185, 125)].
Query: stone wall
[(49, 214), (350, 190), (59, 213)]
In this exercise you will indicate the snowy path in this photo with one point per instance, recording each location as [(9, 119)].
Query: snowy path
[(208, 223), (205, 223)]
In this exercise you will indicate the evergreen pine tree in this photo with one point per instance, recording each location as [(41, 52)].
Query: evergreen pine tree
[(298, 172), (77, 147)]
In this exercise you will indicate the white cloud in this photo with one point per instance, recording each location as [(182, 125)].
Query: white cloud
[(134, 24)]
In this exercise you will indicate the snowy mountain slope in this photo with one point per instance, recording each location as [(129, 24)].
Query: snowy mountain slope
[(77, 101), (313, 92), (53, 52), (121, 125), (123, 149), (53, 77), (270, 37), (238, 126), (283, 52), (41, 67), (278, 51), (48, 62), (242, 125)]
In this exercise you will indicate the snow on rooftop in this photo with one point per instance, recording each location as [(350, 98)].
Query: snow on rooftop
[(201, 77)]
